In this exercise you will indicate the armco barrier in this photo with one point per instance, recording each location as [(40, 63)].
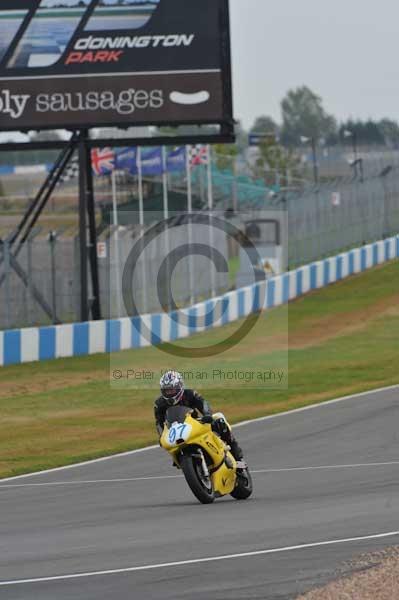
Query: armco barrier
[(79, 339)]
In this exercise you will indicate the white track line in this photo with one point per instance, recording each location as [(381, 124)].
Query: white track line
[(82, 464), (55, 483), (325, 467), (157, 477), (195, 561), (249, 422), (319, 405)]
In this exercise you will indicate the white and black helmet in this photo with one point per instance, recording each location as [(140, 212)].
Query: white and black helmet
[(172, 387)]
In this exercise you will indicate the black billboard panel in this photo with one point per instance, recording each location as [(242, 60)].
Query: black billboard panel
[(75, 63)]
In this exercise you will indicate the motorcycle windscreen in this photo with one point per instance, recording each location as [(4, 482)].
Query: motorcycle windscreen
[(177, 414)]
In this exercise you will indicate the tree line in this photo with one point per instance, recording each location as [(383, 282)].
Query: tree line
[(303, 115)]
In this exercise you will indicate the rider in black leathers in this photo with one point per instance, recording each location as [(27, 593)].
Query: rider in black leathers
[(173, 394)]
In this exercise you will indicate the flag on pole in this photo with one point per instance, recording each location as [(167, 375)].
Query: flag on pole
[(105, 160), (198, 155), (151, 162), (209, 174), (71, 171), (176, 160), (165, 184), (126, 160), (102, 160), (140, 185)]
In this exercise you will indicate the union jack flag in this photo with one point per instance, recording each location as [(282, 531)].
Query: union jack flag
[(102, 160), (198, 155)]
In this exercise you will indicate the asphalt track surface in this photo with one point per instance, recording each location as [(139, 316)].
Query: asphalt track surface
[(83, 520)]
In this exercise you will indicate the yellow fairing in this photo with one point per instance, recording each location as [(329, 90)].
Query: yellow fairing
[(223, 469)]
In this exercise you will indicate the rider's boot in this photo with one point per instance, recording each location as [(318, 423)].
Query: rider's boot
[(222, 428), (236, 450)]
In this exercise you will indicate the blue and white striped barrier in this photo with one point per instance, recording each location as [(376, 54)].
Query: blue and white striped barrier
[(80, 339)]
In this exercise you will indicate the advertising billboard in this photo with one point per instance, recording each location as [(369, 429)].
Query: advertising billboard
[(88, 63)]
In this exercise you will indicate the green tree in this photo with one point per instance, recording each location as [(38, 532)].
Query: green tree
[(367, 132), (241, 137), (264, 124), (390, 131), (225, 155), (304, 115), (276, 164)]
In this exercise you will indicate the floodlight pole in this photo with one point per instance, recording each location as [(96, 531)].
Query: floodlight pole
[(315, 165), (355, 155)]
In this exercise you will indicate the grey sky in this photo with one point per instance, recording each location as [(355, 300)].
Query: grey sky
[(345, 50)]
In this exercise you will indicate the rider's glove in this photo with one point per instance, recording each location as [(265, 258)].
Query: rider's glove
[(206, 420)]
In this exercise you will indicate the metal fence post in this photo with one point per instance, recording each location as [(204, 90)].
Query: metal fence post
[(29, 274), (7, 273), (52, 238), (31, 298)]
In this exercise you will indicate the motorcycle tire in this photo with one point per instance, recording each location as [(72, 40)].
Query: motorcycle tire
[(244, 487), (191, 472)]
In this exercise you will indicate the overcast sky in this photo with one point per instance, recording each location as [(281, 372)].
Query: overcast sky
[(346, 51)]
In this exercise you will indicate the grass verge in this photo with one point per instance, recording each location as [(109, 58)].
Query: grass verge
[(342, 340)]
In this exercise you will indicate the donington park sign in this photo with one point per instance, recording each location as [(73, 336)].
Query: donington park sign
[(85, 63)]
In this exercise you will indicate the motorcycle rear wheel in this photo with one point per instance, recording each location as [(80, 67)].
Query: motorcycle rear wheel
[(192, 470)]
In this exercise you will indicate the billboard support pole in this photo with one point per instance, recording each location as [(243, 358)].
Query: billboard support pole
[(84, 309), (95, 305)]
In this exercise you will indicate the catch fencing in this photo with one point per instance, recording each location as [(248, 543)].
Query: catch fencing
[(52, 280), (341, 215), (322, 220), (80, 339)]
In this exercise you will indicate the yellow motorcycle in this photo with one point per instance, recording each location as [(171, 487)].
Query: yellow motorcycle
[(210, 469)]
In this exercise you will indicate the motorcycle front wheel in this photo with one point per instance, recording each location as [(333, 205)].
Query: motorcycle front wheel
[(200, 485)]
